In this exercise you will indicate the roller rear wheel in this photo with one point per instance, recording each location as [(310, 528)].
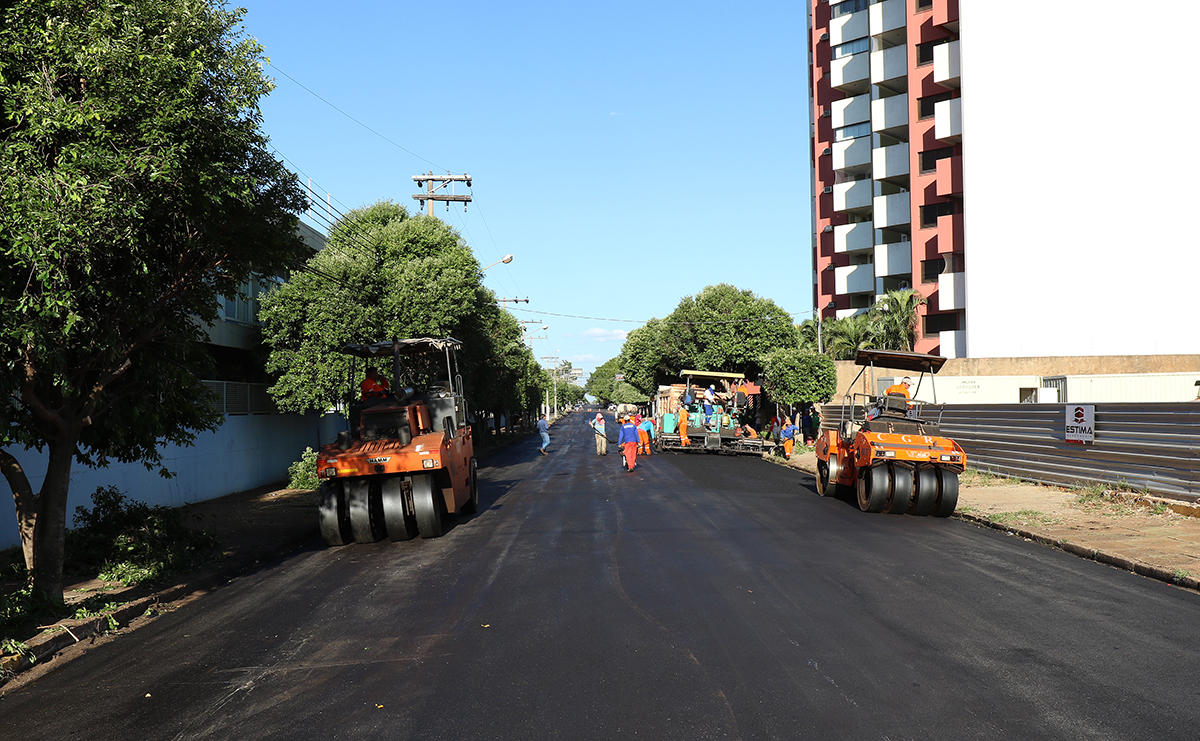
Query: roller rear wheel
[(333, 514), (947, 493), (901, 490), (824, 487), (366, 511), (927, 492), (471, 506), (428, 506), (873, 484), (400, 524)]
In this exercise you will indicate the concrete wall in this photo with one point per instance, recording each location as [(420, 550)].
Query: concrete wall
[(246, 452)]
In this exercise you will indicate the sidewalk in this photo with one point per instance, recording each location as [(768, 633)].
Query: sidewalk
[(1152, 536)]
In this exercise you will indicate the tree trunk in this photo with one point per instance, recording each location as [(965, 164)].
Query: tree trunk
[(50, 529), (26, 503)]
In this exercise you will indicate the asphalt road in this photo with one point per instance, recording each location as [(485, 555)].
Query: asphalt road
[(698, 597)]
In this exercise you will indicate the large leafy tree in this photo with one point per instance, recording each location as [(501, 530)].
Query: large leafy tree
[(792, 375), (385, 275), (603, 385), (135, 190), (722, 328)]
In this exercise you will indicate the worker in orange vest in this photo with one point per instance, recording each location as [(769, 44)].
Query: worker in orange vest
[(683, 425), (900, 389), (373, 386)]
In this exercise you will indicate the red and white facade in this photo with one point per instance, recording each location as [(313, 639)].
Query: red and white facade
[(887, 157)]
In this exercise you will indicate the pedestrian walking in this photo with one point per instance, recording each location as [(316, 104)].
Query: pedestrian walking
[(543, 428), (628, 442), (597, 426)]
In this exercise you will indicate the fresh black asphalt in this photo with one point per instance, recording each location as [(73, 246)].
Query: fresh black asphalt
[(699, 597)]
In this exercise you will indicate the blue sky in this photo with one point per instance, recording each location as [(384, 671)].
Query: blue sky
[(627, 154)]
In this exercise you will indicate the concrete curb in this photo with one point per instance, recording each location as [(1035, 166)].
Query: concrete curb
[(1092, 554)]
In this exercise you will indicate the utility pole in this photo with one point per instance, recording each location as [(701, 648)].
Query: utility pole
[(554, 376), (512, 300), (431, 190)]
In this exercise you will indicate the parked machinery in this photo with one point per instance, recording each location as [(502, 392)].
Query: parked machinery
[(889, 448), (408, 459)]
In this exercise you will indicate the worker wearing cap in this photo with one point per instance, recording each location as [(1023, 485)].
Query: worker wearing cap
[(900, 389), (628, 442), (597, 426), (374, 387)]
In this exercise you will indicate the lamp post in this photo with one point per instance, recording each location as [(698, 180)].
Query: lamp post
[(506, 259)]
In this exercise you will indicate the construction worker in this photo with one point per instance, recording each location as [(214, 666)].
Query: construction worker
[(748, 431), (597, 426), (373, 386), (900, 389), (683, 425), (788, 433), (628, 442), (645, 436)]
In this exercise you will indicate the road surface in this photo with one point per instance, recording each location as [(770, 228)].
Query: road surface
[(699, 597)]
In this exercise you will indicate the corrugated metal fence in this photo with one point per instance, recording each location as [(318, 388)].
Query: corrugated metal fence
[(1148, 446)]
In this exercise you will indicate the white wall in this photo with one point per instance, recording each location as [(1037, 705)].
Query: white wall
[(1078, 176), (246, 452)]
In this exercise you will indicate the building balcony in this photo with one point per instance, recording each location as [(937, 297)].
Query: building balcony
[(852, 73), (891, 211), (952, 294), (890, 116), (947, 65), (889, 162), (852, 153), (853, 237), (947, 120), (945, 14), (949, 176), (847, 313), (887, 17), (893, 259), (950, 233), (854, 279), (849, 27), (954, 343), (850, 110), (855, 196), (889, 64)]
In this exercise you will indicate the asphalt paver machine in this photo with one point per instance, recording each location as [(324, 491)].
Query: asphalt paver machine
[(408, 459), (889, 449)]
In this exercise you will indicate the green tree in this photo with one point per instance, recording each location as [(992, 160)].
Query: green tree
[(895, 317), (843, 338), (135, 190), (385, 274), (722, 328), (792, 375)]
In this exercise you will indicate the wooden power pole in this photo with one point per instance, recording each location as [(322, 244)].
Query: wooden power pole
[(434, 183)]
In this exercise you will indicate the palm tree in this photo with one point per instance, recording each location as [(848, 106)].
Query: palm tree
[(843, 338), (895, 318), (807, 332)]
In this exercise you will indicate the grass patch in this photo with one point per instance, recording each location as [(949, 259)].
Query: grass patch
[(1180, 575), (977, 477), (1024, 516)]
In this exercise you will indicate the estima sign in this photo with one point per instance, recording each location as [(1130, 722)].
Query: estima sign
[(1081, 423)]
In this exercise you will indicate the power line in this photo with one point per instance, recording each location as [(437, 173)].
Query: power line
[(765, 317), (355, 120)]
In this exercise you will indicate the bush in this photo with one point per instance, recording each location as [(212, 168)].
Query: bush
[(132, 542), (303, 473)]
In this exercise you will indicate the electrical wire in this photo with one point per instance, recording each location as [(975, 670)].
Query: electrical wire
[(765, 317)]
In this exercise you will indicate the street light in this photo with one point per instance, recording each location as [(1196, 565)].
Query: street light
[(506, 260)]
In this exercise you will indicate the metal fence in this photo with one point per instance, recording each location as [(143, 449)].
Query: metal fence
[(1155, 447)]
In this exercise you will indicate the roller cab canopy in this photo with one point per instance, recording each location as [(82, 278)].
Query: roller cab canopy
[(909, 361), (413, 346)]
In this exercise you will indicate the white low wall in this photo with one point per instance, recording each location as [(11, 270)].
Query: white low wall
[(246, 452)]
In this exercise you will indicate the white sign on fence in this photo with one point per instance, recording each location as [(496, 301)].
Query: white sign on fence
[(1081, 423)]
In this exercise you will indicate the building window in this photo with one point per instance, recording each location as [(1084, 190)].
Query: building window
[(931, 269), (930, 213), (852, 131), (925, 106), (924, 5), (925, 53), (935, 323), (929, 158), (851, 47), (848, 7)]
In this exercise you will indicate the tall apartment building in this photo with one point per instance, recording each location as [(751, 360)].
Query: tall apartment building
[(887, 161), (1039, 198)]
